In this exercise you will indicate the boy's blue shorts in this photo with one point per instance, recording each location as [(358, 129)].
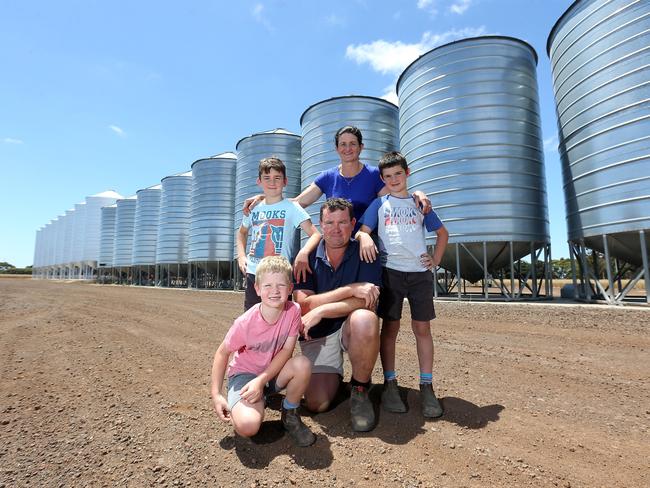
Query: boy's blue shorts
[(236, 383)]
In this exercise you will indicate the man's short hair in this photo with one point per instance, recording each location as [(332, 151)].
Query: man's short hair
[(348, 129), (267, 164), (273, 264), (334, 204), (390, 159)]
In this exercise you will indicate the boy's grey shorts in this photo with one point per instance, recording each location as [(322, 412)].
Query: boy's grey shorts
[(237, 381), (325, 353)]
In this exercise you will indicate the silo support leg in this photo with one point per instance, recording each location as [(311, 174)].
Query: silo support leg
[(608, 268), (646, 268)]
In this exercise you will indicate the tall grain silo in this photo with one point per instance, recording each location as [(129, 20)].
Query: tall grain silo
[(145, 235), (108, 215), (600, 58), (68, 239), (471, 133), (375, 117), (279, 143), (174, 230), (59, 237), (123, 248), (36, 263), (92, 232), (211, 221), (76, 252)]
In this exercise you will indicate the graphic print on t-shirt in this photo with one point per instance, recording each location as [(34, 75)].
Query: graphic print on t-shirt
[(405, 217), (268, 241)]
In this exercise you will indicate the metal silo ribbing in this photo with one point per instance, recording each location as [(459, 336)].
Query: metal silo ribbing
[(211, 221), (250, 150), (92, 232), (376, 118), (174, 230), (79, 228), (106, 243), (600, 58), (68, 238), (123, 248), (145, 234), (470, 131)]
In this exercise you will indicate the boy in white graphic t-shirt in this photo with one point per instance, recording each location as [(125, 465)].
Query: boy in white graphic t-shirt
[(406, 274), (272, 225)]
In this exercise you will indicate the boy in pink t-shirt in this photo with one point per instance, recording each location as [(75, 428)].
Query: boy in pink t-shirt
[(262, 340)]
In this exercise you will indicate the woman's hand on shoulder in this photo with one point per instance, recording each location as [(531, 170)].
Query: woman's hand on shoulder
[(250, 203), (422, 201)]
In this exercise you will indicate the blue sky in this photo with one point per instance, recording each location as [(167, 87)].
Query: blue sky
[(98, 95)]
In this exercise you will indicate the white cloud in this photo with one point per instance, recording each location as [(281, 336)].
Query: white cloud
[(11, 140), (550, 143), (258, 15), (118, 130), (428, 5), (460, 6), (334, 19), (392, 57), (390, 94)]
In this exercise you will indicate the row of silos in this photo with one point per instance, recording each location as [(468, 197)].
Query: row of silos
[(468, 123), (68, 246)]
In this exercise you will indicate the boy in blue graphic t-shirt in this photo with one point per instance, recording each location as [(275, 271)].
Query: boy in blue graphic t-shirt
[(272, 225), (406, 274)]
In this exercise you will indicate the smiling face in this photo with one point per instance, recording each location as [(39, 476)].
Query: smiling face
[(337, 226), (273, 288), (395, 179), (272, 183), (349, 148)]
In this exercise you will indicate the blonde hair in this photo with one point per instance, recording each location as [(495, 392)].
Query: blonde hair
[(273, 264)]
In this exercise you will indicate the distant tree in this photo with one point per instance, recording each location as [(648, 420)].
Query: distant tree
[(4, 266)]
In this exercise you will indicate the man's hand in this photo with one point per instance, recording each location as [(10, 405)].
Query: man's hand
[(241, 262), (301, 266), (309, 320), (422, 201), (367, 292), (253, 390), (221, 407), (249, 203), (367, 248)]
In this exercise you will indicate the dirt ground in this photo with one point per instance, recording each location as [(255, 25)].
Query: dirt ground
[(109, 386)]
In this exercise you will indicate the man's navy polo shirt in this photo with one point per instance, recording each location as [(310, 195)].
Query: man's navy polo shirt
[(324, 278)]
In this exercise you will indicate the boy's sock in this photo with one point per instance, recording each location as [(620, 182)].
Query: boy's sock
[(287, 405), (426, 378), (390, 375), (354, 383)]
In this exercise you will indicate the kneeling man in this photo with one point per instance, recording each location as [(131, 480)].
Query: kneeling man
[(338, 303)]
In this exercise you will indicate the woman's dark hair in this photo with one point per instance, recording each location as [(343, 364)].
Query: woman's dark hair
[(348, 129)]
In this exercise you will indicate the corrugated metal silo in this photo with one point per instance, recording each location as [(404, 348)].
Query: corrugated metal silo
[(36, 263), (68, 239), (250, 150), (174, 230), (91, 251), (211, 221), (145, 235), (79, 227), (123, 248), (59, 244), (376, 118), (470, 131), (106, 243), (600, 58)]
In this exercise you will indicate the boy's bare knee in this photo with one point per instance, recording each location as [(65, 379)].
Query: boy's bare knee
[(247, 429)]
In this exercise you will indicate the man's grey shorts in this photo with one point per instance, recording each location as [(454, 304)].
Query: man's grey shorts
[(325, 353), (238, 381)]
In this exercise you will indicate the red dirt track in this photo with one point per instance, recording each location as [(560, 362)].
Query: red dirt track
[(109, 386)]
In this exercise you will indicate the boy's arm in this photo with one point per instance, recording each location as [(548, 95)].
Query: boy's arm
[(367, 247), (254, 389), (441, 244), (242, 236), (301, 263), (219, 365)]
